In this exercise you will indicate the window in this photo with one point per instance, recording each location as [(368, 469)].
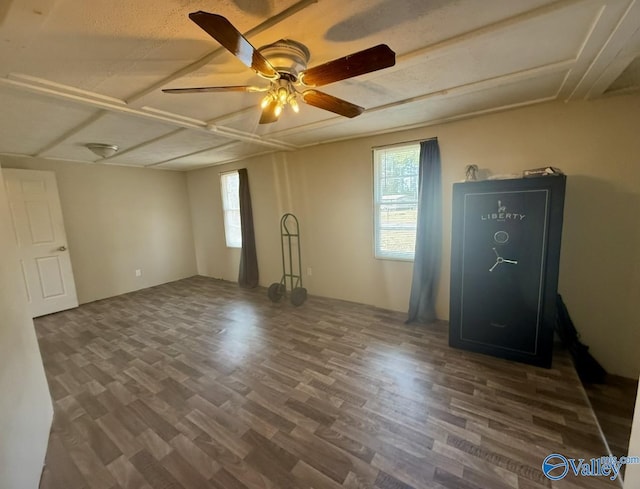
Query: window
[(230, 183), (396, 201)]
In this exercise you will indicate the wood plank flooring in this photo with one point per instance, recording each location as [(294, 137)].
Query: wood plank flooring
[(613, 403), (200, 384)]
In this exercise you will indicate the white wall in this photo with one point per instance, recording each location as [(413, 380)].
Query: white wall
[(25, 406), (632, 472), (270, 199), (121, 219), (329, 187)]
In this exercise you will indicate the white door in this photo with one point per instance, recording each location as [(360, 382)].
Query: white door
[(42, 241)]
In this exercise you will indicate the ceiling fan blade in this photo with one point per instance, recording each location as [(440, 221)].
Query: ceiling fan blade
[(269, 113), (332, 104), (238, 88), (226, 34), (372, 59)]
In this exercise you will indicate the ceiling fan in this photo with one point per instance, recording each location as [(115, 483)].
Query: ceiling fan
[(284, 64)]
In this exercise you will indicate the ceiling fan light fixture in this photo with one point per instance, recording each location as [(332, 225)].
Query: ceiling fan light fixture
[(283, 94), (266, 100), (294, 105), (280, 94), (284, 64), (102, 150)]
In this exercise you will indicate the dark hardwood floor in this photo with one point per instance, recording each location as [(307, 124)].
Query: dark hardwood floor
[(200, 384), (613, 403)]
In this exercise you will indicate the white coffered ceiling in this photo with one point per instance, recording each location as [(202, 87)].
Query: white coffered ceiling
[(77, 71)]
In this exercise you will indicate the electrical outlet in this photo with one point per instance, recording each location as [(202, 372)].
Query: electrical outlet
[(309, 271), (138, 272)]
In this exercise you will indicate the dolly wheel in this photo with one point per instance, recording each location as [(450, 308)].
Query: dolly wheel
[(276, 291), (298, 296)]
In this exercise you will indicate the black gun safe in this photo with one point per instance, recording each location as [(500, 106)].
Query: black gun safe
[(504, 266)]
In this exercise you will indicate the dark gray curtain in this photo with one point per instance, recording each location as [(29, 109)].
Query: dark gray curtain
[(426, 265), (248, 275)]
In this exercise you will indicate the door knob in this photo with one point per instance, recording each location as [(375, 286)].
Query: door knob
[(62, 248)]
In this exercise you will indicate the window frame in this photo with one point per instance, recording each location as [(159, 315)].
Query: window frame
[(229, 209), (377, 201)]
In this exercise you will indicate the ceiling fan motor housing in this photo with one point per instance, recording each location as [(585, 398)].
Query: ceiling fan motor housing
[(284, 64), (286, 56)]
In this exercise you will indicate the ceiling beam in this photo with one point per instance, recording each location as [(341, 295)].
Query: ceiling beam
[(442, 48), (71, 94), (588, 74), (200, 151), (476, 86), (59, 140), (82, 96), (608, 65), (218, 163), (148, 142), (436, 122), (45, 87)]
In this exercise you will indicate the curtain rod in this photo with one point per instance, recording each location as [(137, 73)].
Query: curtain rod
[(403, 143)]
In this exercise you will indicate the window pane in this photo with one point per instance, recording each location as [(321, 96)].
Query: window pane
[(230, 189), (232, 228), (396, 200), (403, 187), (398, 173), (398, 243), (398, 216)]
